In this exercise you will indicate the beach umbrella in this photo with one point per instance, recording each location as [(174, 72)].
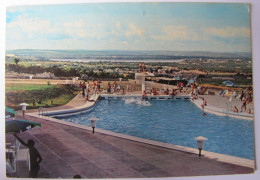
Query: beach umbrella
[(10, 112), (190, 81), (17, 125)]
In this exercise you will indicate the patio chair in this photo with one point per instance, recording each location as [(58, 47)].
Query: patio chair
[(24, 155), (11, 170), (21, 154), (10, 162)]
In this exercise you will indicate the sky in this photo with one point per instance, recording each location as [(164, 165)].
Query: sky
[(216, 27)]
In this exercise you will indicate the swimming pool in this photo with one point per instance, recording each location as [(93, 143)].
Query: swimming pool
[(175, 122)]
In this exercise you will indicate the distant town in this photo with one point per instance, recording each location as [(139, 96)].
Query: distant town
[(209, 67)]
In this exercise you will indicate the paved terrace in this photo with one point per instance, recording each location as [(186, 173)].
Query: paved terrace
[(68, 150)]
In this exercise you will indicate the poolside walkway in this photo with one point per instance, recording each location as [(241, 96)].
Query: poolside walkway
[(68, 150)]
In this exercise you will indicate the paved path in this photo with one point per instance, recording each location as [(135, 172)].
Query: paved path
[(68, 150)]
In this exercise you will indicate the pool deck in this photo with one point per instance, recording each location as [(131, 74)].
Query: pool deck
[(222, 106), (71, 149)]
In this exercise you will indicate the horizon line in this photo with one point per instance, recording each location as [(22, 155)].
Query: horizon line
[(133, 50)]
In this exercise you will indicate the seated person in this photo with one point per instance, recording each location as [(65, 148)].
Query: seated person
[(235, 109)]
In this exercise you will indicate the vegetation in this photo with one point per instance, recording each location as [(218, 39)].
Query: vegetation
[(40, 95), (25, 87), (62, 71), (237, 79), (16, 60)]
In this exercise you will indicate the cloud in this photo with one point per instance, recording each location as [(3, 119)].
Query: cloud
[(229, 32), (24, 27), (83, 29), (36, 28), (178, 33), (133, 30), (76, 29), (118, 25)]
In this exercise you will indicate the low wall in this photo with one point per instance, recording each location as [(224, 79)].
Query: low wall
[(159, 97)]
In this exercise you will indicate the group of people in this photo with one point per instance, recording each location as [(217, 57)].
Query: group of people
[(111, 87), (86, 87), (142, 67), (166, 91), (115, 88), (246, 98)]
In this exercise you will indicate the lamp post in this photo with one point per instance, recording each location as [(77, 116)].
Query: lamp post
[(93, 123), (200, 140), (23, 107)]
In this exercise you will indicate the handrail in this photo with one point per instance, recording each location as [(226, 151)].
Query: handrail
[(42, 111)]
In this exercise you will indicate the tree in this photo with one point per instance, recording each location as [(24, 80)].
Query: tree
[(16, 60)]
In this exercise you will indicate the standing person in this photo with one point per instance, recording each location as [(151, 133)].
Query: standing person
[(109, 88), (243, 104), (242, 95), (83, 89), (204, 103), (98, 85), (94, 85), (35, 157), (144, 95), (140, 67), (123, 91), (143, 67), (192, 86), (114, 86), (87, 87)]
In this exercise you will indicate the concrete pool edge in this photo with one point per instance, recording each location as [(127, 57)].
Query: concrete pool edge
[(211, 109), (197, 102), (211, 155)]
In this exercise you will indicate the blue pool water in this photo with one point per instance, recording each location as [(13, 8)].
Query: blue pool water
[(175, 122)]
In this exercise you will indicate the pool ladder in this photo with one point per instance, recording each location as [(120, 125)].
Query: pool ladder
[(42, 111)]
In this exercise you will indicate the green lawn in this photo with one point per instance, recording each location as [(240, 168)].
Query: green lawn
[(26, 87), (42, 95)]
